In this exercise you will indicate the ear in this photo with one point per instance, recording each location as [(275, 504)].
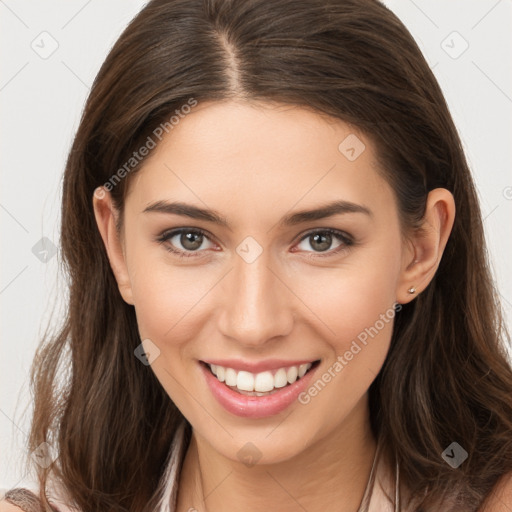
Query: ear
[(106, 218), (425, 247)]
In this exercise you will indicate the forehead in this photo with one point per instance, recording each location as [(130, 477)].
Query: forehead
[(258, 157)]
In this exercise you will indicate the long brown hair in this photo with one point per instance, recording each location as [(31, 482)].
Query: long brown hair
[(446, 377)]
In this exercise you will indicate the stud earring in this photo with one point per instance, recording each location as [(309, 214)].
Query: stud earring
[(412, 290)]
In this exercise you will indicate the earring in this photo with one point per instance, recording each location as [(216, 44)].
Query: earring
[(412, 290)]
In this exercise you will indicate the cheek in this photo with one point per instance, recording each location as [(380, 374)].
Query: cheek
[(164, 293), (170, 305), (352, 297), (166, 300), (356, 303)]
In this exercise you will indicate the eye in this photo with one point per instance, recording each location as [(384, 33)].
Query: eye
[(190, 240), (321, 241)]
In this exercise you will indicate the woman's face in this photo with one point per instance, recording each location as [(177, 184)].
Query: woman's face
[(271, 287)]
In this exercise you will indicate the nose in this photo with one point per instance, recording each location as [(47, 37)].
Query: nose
[(257, 304)]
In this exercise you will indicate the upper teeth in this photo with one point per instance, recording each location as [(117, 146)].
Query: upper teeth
[(261, 382)]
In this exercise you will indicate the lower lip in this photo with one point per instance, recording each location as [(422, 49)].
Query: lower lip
[(255, 406)]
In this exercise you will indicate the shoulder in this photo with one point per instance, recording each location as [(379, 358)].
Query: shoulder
[(18, 499), (21, 500), (26, 499), (501, 495), (5, 506)]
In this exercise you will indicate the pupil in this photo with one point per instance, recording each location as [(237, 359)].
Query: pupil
[(322, 246), (191, 241)]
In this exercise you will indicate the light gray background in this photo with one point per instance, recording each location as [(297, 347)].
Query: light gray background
[(42, 97)]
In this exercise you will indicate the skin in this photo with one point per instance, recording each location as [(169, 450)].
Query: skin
[(254, 164)]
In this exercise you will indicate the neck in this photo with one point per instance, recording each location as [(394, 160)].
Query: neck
[(329, 475)]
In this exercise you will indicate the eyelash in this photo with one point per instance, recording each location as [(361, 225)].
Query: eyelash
[(345, 238)]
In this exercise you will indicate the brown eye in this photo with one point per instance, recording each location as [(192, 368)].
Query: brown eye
[(185, 242), (321, 241), (191, 241)]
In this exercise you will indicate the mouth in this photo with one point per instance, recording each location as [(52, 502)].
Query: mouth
[(260, 384), (269, 389)]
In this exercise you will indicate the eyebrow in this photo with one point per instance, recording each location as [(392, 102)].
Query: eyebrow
[(195, 212)]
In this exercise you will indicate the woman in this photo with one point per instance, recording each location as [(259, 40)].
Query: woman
[(279, 293)]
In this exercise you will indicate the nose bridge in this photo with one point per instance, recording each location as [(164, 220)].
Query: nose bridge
[(255, 306)]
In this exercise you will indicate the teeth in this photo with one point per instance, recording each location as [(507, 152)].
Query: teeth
[(230, 376), (264, 382), (260, 383), (245, 381), (303, 368), (280, 379), (220, 371), (292, 374)]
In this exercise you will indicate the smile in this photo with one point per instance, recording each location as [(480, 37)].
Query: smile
[(259, 384), (257, 394)]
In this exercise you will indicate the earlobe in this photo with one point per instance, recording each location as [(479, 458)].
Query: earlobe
[(106, 217), (426, 245)]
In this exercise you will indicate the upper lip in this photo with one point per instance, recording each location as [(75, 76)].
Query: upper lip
[(257, 366)]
